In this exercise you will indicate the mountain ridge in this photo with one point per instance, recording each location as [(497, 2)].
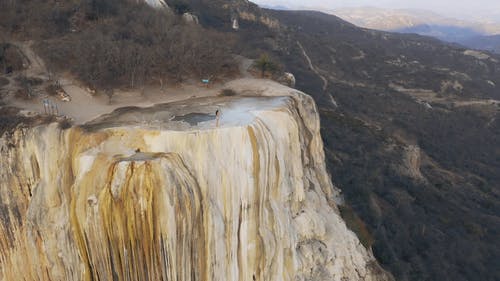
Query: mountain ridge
[(424, 23), (410, 127)]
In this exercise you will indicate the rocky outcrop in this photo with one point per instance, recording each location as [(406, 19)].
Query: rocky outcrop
[(411, 161), (157, 4), (287, 79), (235, 23), (163, 193), (190, 18)]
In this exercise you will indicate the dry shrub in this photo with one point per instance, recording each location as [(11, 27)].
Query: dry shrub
[(227, 93)]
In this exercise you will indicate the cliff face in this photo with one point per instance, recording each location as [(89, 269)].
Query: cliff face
[(164, 194)]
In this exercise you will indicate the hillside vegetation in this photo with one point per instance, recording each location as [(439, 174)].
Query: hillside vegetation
[(418, 168), (113, 43), (410, 124)]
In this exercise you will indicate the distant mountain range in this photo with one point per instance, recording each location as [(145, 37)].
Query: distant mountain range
[(387, 19), (491, 43), (479, 35)]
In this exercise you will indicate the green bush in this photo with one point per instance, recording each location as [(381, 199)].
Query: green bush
[(266, 64), (227, 93)]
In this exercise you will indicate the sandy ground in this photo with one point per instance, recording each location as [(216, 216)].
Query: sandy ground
[(85, 107)]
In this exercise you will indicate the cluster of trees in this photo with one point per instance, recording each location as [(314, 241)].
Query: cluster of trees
[(422, 230), (117, 43), (440, 228)]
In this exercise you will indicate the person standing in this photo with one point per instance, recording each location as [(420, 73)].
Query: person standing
[(217, 117)]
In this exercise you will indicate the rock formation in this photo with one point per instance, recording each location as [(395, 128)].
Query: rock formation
[(161, 193), (157, 4), (190, 18), (287, 79)]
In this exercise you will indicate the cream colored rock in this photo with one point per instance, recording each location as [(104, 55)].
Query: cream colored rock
[(190, 18), (163, 194), (157, 4)]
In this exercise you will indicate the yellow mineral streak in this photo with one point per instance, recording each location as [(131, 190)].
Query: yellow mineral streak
[(125, 200), (148, 229)]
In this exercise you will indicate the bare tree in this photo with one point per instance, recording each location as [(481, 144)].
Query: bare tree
[(139, 45)]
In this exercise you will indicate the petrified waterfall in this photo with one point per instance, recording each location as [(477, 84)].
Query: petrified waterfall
[(164, 194)]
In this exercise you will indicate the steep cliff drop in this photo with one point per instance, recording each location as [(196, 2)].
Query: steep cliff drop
[(161, 193)]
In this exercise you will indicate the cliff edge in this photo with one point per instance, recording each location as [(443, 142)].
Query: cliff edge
[(166, 193)]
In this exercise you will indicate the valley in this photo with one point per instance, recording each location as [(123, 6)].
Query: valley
[(399, 143)]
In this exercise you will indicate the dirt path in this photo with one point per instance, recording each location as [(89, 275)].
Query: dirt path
[(36, 66), (430, 96), (244, 66), (313, 68), (477, 102), (85, 107)]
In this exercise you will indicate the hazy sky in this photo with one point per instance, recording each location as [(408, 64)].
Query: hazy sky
[(471, 9)]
